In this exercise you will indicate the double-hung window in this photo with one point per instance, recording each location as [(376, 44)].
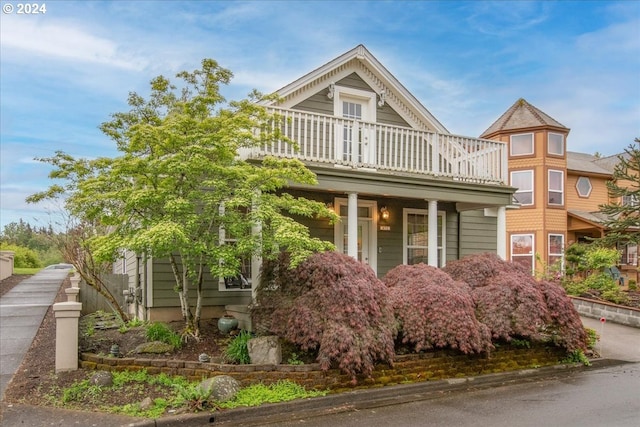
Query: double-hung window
[(242, 279), (522, 251), (556, 250), (556, 188), (523, 181), (416, 236)]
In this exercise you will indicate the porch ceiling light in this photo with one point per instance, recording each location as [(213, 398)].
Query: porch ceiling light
[(384, 213)]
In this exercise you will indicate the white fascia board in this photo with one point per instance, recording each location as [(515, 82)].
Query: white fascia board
[(361, 53)]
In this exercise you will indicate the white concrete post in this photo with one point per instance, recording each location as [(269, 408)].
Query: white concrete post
[(72, 294), (73, 291), (67, 318)]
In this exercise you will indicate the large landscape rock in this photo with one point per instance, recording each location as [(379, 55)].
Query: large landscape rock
[(102, 378), (265, 350), (221, 387)]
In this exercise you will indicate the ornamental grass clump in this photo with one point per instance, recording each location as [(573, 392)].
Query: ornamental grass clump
[(331, 304), (434, 311)]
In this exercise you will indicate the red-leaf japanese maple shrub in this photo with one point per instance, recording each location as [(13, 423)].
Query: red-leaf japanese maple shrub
[(565, 327), (506, 297), (434, 311), (511, 302), (335, 305)]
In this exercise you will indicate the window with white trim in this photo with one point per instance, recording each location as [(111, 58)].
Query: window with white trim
[(556, 188), (583, 185), (522, 251), (555, 144), (416, 236), (242, 280), (523, 181), (556, 251), (630, 200), (521, 145)]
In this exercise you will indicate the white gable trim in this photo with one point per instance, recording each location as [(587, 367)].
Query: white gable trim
[(360, 61)]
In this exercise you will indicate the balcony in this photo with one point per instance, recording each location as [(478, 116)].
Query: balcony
[(337, 142)]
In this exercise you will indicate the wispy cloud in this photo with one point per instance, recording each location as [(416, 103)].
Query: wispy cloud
[(65, 41)]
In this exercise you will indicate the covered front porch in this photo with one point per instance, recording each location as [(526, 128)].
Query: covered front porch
[(387, 219)]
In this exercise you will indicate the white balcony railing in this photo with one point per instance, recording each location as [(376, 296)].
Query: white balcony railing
[(336, 141)]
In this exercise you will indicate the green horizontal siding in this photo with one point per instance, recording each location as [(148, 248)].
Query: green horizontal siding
[(164, 294), (478, 233)]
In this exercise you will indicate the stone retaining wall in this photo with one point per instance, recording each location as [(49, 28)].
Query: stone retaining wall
[(612, 312), (407, 368)]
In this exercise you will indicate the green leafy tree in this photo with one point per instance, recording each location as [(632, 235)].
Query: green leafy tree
[(42, 240), (624, 189), (22, 257), (179, 180)]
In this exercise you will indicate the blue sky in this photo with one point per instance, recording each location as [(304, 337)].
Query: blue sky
[(65, 71)]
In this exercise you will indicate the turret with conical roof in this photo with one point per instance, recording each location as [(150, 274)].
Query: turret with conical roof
[(520, 116), (537, 164)]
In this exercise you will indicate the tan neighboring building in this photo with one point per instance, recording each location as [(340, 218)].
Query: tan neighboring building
[(558, 192)]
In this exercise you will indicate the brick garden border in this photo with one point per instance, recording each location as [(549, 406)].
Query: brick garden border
[(407, 368)]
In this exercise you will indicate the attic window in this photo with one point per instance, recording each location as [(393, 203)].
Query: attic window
[(583, 185)]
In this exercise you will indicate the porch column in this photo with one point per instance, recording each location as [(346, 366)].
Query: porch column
[(352, 225), (501, 244), (432, 224)]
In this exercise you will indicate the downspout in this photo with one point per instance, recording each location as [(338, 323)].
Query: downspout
[(136, 287)]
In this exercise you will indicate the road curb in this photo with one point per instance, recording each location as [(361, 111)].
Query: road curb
[(365, 398)]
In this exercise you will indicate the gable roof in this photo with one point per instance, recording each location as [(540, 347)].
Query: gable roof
[(362, 62), (522, 115)]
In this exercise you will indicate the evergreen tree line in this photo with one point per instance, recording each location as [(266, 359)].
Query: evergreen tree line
[(33, 246)]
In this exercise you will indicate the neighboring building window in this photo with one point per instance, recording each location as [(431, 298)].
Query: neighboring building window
[(629, 254), (522, 250), (555, 144), (583, 186), (630, 200), (556, 188), (522, 145), (556, 251), (416, 236), (523, 181)]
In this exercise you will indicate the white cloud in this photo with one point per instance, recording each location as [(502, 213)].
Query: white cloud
[(65, 41)]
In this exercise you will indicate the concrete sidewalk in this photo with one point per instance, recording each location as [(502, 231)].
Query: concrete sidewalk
[(21, 312), (616, 341)]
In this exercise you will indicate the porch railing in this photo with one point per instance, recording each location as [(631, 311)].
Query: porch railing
[(330, 140)]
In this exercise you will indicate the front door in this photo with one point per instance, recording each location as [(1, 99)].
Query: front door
[(363, 240), (367, 237)]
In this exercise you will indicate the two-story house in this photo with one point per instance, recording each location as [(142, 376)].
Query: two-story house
[(407, 190)]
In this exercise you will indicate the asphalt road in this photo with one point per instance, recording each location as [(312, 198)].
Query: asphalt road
[(595, 398)]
